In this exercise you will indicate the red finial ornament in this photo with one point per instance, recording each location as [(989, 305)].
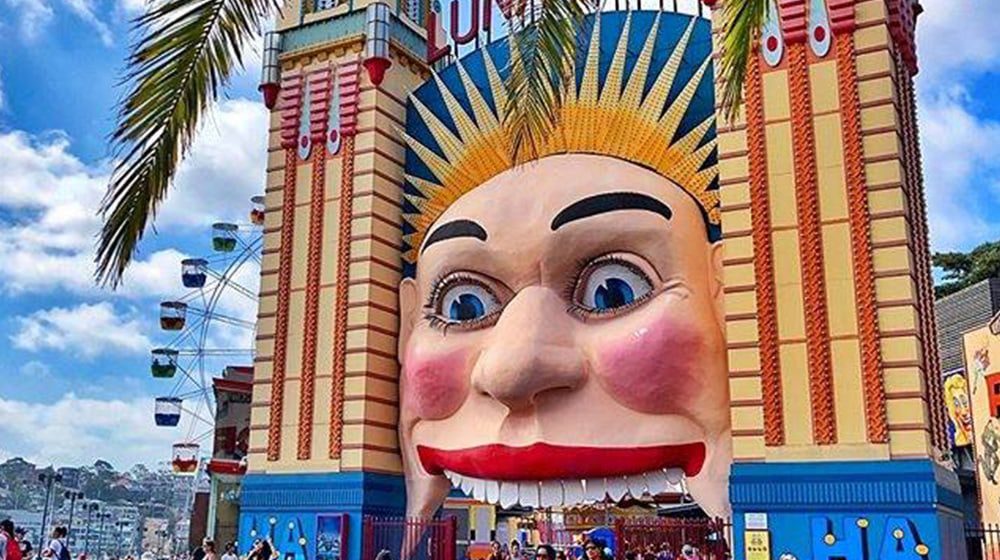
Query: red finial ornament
[(270, 92), (376, 67)]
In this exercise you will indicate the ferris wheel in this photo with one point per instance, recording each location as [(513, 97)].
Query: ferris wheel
[(211, 326)]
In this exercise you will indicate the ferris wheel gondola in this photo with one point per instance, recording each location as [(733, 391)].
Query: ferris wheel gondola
[(213, 326)]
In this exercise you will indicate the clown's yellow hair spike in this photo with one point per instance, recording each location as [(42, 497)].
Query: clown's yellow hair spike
[(614, 119)]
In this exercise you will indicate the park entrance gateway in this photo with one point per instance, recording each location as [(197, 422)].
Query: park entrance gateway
[(661, 303)]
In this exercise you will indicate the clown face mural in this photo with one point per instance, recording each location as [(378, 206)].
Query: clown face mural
[(562, 328)]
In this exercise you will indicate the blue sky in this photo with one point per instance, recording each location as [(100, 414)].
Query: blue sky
[(75, 380)]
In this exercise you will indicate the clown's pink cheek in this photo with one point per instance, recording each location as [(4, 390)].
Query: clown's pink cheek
[(436, 383), (656, 368)]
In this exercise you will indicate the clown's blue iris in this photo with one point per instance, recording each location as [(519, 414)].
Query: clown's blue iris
[(466, 301), (615, 292), (610, 285), (466, 307)]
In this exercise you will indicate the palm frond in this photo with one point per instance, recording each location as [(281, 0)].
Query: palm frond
[(186, 52), (543, 39), (742, 21)]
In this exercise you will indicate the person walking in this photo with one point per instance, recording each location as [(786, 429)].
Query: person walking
[(230, 552), (9, 548), (21, 534), (593, 550), (261, 550), (515, 550), (209, 547), (545, 552), (56, 549), (689, 552)]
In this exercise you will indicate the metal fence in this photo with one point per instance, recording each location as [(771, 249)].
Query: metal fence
[(409, 538), (983, 541), (712, 537)]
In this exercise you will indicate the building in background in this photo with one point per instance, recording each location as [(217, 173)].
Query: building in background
[(156, 536), (982, 365), (228, 464), (961, 312), (957, 314)]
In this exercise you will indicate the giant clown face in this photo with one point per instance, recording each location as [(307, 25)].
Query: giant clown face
[(562, 337), (569, 346)]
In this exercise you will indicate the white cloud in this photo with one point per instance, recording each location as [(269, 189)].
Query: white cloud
[(962, 169), (953, 38), (33, 16), (87, 330), (36, 370), (225, 169), (132, 7), (53, 197), (84, 9), (961, 145), (71, 430)]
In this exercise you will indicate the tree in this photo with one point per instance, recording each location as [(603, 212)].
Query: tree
[(188, 50), (962, 270)]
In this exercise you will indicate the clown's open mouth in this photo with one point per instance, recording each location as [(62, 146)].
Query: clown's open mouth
[(549, 475)]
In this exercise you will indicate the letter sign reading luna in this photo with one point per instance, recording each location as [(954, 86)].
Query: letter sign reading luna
[(480, 14)]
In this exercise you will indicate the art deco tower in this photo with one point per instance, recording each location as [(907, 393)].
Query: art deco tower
[(834, 368), (323, 423)]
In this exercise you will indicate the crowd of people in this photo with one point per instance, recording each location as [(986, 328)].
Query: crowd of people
[(14, 545), (593, 549)]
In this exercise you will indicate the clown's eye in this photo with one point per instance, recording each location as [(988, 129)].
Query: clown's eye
[(611, 284), (464, 300), (467, 302)]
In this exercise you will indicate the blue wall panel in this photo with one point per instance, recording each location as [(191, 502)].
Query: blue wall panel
[(284, 508), (858, 510)]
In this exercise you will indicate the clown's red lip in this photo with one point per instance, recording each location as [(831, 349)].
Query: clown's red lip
[(543, 461)]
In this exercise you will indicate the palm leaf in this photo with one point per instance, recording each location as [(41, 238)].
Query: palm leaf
[(543, 39), (186, 52), (742, 21)]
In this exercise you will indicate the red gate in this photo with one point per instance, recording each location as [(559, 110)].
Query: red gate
[(644, 535), (408, 538)]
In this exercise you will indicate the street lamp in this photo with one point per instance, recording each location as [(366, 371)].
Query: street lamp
[(118, 546), (72, 496), (49, 479), (104, 516), (90, 508)]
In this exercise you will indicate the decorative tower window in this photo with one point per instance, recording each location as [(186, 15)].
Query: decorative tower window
[(320, 5)]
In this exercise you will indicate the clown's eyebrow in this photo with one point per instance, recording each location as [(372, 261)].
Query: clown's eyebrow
[(609, 202), (457, 228)]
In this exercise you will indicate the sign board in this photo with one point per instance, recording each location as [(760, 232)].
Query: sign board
[(755, 521), (757, 545), (330, 533)]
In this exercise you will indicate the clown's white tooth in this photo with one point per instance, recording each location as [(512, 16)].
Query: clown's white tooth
[(657, 482), (572, 492), (528, 493), (508, 494), (467, 486), (492, 491), (479, 489), (594, 489), (674, 475), (551, 493), (636, 485), (617, 489), (455, 478)]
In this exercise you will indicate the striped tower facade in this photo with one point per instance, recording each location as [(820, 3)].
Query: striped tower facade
[(323, 423), (838, 425)]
